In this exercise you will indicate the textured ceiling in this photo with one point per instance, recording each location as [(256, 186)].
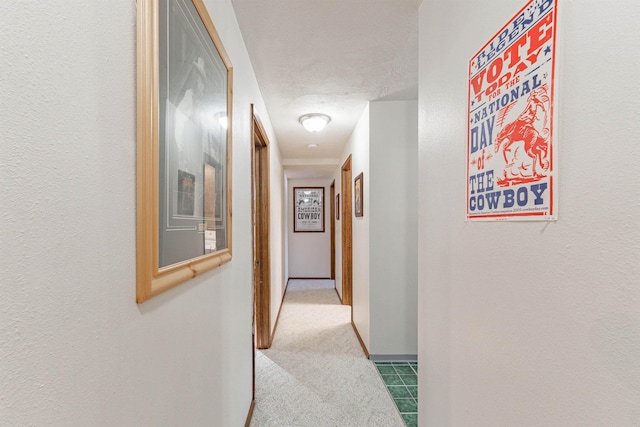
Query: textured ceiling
[(331, 57)]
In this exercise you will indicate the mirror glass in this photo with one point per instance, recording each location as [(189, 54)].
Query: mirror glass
[(193, 138)]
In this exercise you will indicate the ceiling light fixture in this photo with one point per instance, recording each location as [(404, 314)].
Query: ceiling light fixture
[(314, 122)]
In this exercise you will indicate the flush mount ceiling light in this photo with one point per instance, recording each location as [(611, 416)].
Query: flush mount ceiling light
[(314, 122)]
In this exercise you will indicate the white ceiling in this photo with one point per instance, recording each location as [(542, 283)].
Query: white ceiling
[(331, 57)]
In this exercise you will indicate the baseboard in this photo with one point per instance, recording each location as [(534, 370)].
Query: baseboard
[(364, 347), (275, 325), (309, 278), (394, 357), (253, 405)]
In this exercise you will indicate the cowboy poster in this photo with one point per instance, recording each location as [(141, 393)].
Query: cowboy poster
[(511, 142), (308, 209)]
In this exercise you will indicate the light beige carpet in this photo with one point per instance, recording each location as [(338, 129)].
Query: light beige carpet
[(315, 373)]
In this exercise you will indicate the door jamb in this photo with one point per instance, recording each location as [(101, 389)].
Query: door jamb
[(260, 219), (332, 214), (347, 244)]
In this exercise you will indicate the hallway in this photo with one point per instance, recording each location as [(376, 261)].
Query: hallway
[(315, 373)]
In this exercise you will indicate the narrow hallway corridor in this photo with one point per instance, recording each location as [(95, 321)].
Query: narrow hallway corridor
[(315, 373)]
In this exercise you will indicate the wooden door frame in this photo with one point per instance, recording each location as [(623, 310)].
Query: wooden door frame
[(347, 233), (260, 220), (332, 195)]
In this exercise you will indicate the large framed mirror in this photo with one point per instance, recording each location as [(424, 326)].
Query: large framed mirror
[(184, 146)]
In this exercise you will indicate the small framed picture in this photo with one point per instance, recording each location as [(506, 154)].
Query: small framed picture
[(186, 187), (358, 186)]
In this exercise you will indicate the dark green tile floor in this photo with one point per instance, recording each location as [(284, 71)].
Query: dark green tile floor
[(401, 379)]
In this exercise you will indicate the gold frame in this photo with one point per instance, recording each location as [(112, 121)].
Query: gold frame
[(152, 280)]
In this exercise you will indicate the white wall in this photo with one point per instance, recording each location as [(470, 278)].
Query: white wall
[(277, 233), (393, 226), (384, 147), (285, 231), (358, 148), (76, 348), (360, 225), (309, 253), (533, 324)]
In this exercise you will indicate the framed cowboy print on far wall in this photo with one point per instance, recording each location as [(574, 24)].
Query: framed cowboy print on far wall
[(308, 209)]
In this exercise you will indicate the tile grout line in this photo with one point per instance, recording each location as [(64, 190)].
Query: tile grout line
[(409, 418)]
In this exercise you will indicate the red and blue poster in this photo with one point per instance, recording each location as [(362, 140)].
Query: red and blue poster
[(511, 146)]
